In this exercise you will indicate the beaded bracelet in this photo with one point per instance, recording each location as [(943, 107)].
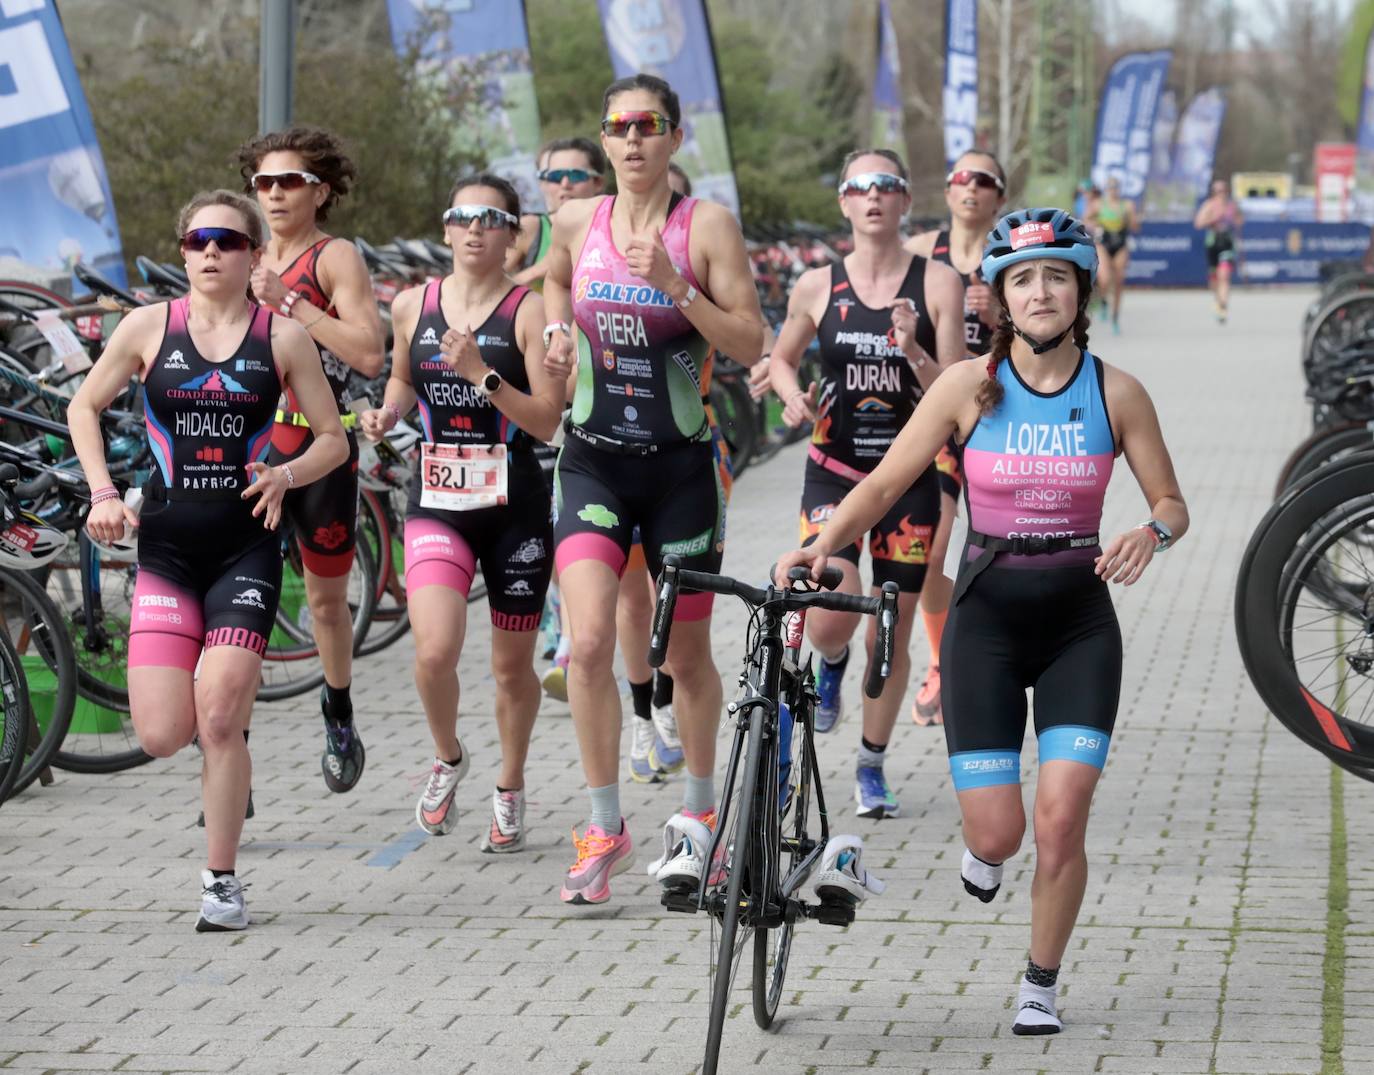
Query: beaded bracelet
[(395, 413), (290, 478), (102, 495), (288, 302)]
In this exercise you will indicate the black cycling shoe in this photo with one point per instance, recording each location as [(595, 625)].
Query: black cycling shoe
[(344, 757), (200, 821)]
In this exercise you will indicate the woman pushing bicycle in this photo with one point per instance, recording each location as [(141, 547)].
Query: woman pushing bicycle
[(1041, 422)]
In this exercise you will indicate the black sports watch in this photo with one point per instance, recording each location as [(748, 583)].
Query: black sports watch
[(1164, 537), (489, 383)]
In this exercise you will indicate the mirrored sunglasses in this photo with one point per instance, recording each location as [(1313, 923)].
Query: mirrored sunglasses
[(489, 217)]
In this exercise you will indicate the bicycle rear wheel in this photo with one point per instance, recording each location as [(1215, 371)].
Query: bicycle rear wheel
[(35, 627), (14, 722), (1319, 449), (1304, 602), (741, 890)]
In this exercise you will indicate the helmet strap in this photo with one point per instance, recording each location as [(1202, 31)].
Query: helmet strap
[(1039, 348)]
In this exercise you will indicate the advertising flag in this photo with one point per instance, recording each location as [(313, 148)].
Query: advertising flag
[(486, 40), (1364, 139), (1161, 151), (1195, 152), (672, 39), (961, 77), (887, 87), (58, 208), (1126, 118)]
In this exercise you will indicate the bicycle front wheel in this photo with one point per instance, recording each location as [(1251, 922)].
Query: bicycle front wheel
[(741, 891)]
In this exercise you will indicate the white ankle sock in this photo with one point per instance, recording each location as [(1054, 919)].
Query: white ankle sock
[(981, 879), (1036, 1012)]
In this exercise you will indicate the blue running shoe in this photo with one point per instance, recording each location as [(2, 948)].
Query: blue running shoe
[(828, 679), (642, 770), (871, 792), (665, 755)]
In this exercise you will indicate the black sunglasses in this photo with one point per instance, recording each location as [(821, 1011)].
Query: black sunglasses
[(224, 238)]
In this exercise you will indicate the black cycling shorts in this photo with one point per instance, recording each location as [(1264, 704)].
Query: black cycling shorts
[(1113, 242), (209, 574), (324, 513), (1053, 630), (512, 543), (899, 542), (675, 497), (1221, 247)]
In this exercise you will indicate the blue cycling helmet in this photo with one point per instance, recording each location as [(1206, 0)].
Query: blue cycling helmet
[(1038, 233)]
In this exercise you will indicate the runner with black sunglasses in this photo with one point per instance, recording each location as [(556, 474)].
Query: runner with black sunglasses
[(299, 174), (641, 289), (975, 191), (888, 322), (209, 561)]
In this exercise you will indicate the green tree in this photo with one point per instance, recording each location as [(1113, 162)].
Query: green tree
[(172, 128), (571, 65), (1350, 78)]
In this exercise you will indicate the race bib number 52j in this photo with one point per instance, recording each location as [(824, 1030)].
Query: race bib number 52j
[(462, 477)]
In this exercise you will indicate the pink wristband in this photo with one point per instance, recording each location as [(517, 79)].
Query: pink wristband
[(108, 492), (395, 413)]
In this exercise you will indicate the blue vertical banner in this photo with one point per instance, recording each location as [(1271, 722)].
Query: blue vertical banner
[(961, 77), (1195, 153), (672, 39), (1161, 152), (54, 194), (1364, 140), (482, 42), (888, 130), (1126, 118)]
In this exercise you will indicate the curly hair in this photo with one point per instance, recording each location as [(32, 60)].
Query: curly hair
[(990, 392), (322, 152)]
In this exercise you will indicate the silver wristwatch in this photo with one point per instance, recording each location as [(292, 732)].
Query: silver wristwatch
[(1164, 537)]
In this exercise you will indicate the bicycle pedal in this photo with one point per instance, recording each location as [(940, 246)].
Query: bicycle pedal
[(681, 899), (836, 911)]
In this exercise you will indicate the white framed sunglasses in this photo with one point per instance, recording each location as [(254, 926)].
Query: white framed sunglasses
[(886, 182), (489, 217), (290, 180)]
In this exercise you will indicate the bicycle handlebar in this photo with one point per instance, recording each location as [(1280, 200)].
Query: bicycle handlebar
[(884, 606)]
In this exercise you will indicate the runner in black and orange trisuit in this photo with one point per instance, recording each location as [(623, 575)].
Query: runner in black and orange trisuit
[(888, 323)]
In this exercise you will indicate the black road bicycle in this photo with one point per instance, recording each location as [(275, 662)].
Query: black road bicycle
[(772, 826)]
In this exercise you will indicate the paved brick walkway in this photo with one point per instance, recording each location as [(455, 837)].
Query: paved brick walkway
[(1200, 948)]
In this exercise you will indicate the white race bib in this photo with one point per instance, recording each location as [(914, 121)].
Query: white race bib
[(462, 477)]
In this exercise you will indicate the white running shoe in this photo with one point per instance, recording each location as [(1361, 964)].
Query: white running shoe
[(981, 879), (842, 875), (666, 753), (507, 831), (434, 811), (221, 904), (1036, 1011), (685, 841), (642, 737)]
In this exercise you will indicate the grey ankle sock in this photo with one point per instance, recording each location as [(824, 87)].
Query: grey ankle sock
[(699, 794), (605, 808)]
